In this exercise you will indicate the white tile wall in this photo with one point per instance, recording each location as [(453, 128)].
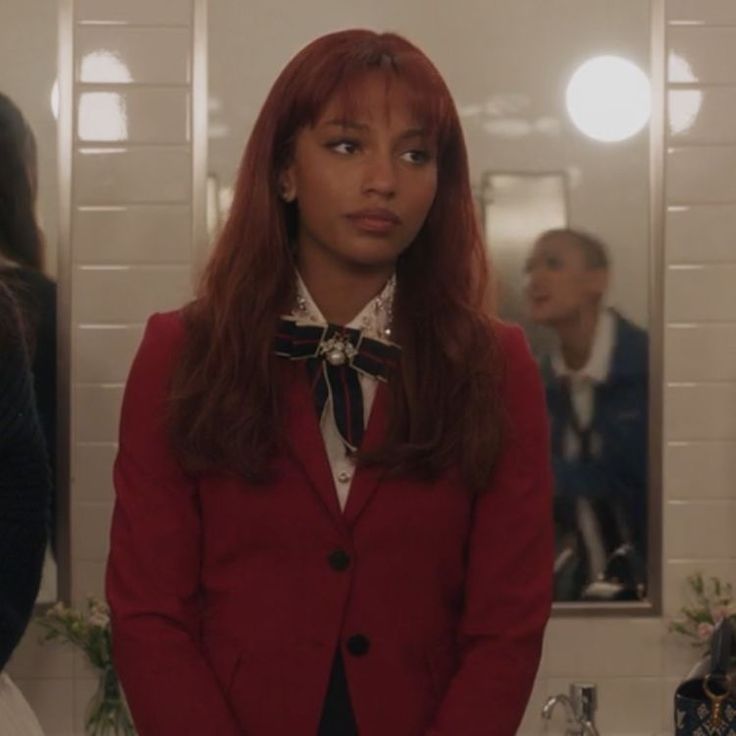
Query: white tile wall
[(98, 409), (137, 115), (704, 233), (133, 234), (716, 12), (708, 54), (92, 477), (702, 115), (701, 352), (155, 55), (682, 539), (703, 469), (635, 662), (154, 174), (89, 579), (138, 12), (700, 411), (105, 351), (701, 174), (702, 292), (94, 518), (123, 294)]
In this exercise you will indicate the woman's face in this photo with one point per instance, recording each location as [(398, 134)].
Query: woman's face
[(560, 284), (363, 186)]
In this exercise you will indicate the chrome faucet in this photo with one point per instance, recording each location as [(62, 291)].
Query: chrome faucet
[(580, 706)]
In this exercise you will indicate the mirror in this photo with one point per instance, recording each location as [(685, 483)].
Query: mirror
[(542, 161), (28, 68)]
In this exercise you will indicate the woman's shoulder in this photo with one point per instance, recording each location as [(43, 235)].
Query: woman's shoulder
[(167, 324), (156, 359), (511, 340), (163, 338), (521, 383)]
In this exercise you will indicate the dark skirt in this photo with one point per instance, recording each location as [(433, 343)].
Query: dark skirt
[(337, 712)]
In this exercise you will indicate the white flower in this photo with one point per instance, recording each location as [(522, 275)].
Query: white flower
[(705, 631), (99, 618), (58, 609)]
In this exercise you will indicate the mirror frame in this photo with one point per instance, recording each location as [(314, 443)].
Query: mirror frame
[(64, 142)]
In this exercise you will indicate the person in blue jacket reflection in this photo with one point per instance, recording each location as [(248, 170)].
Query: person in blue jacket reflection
[(596, 387)]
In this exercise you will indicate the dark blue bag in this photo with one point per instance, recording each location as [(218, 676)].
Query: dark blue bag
[(706, 706)]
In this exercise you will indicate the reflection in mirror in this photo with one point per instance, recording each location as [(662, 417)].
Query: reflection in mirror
[(571, 253), (28, 228), (511, 66), (595, 376)]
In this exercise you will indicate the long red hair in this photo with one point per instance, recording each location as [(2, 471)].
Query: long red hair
[(225, 410)]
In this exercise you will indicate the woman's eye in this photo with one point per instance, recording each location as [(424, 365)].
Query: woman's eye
[(343, 146), (416, 156), (553, 263)]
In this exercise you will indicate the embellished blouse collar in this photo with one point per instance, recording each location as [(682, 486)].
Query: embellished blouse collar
[(374, 319)]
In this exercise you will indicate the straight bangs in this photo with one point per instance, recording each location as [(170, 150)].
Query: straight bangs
[(337, 75)]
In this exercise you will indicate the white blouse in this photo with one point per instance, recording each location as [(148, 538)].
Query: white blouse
[(584, 380), (375, 321), (582, 394)]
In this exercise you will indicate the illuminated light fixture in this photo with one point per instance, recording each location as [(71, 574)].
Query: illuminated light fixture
[(105, 67), (684, 104), (679, 70), (102, 117), (609, 98)]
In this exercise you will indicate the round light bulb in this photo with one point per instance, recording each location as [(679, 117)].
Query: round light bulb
[(609, 98)]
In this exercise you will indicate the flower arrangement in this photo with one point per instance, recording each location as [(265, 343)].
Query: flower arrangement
[(89, 630), (710, 601)]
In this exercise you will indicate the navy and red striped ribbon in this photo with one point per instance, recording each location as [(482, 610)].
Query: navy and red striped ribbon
[(304, 341)]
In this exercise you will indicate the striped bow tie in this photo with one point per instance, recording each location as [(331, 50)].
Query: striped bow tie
[(334, 357)]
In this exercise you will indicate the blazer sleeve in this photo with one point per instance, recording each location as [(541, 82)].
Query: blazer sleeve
[(509, 579), (152, 581), (24, 484)]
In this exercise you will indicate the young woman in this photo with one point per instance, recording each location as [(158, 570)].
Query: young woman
[(596, 385), (333, 507), (21, 266), (24, 497)]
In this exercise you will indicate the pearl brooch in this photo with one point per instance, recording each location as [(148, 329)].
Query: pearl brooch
[(337, 350)]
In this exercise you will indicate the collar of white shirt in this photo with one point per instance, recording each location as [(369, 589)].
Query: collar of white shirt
[(599, 362), (374, 319)]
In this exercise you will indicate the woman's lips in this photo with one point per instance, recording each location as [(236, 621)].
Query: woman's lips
[(378, 222)]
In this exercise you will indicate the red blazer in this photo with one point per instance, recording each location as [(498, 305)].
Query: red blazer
[(228, 599)]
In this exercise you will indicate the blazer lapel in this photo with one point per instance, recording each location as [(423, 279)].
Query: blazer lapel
[(366, 479), (304, 437)]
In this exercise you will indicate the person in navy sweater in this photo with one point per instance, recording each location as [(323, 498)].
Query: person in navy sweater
[(21, 270), (24, 497), (596, 388)]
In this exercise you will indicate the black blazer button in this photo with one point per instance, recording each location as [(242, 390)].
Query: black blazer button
[(358, 645), (339, 560)]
